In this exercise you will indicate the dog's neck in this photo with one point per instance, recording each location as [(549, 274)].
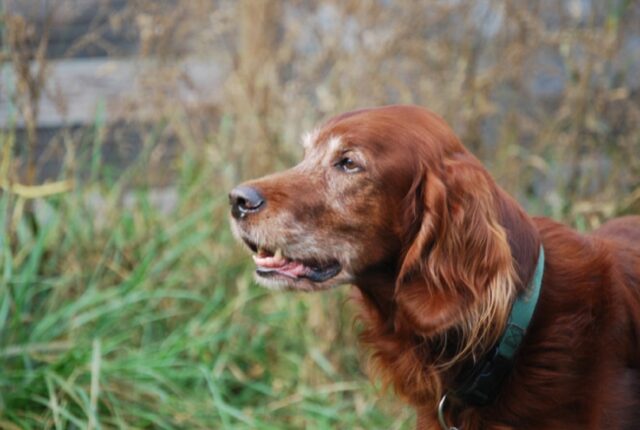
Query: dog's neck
[(398, 351)]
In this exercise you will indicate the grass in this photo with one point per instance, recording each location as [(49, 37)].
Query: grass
[(117, 315)]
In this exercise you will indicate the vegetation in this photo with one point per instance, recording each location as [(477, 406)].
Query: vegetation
[(117, 315), (124, 300)]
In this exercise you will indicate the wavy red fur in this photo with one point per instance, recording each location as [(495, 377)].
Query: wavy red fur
[(438, 252)]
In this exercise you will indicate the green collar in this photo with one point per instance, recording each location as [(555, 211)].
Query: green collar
[(485, 379), (521, 313)]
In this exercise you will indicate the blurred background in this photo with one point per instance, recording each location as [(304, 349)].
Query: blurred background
[(124, 301)]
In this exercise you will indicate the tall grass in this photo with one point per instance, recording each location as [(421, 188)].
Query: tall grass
[(115, 313)]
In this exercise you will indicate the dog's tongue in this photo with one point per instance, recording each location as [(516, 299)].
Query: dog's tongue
[(280, 264)]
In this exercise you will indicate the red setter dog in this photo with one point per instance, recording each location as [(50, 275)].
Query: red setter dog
[(389, 200)]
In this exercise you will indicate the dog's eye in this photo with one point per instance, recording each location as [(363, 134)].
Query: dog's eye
[(348, 165)]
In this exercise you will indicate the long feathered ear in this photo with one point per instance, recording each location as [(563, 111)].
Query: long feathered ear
[(458, 269)]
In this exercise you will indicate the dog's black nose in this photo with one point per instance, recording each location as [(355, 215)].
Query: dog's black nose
[(245, 200)]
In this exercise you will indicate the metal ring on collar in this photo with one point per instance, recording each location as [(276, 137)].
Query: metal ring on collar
[(441, 419)]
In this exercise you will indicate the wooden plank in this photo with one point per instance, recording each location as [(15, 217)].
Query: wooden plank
[(73, 20), (76, 88)]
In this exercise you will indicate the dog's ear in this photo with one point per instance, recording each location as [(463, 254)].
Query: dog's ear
[(458, 255)]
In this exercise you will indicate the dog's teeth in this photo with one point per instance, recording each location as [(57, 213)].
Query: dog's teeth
[(278, 255)]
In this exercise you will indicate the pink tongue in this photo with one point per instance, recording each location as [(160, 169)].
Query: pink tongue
[(281, 265)]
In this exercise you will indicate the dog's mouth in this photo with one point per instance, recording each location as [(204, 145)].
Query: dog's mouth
[(274, 264)]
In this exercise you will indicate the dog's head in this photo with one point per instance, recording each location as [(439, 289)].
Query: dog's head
[(388, 187), (340, 211)]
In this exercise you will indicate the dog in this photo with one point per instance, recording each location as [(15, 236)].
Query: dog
[(479, 315)]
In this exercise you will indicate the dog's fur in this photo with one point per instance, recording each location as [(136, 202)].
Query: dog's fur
[(438, 253)]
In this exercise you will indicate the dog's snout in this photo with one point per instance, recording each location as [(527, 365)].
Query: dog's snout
[(245, 200)]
